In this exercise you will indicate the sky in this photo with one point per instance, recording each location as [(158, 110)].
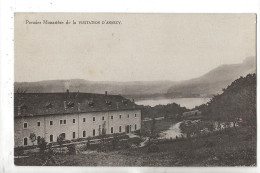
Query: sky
[(143, 47)]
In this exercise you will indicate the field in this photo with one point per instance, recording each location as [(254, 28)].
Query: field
[(228, 148)]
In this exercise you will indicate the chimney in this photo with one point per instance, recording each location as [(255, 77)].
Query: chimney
[(19, 110), (79, 107), (106, 93), (65, 105)]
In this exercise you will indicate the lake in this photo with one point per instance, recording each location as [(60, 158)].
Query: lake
[(187, 102)]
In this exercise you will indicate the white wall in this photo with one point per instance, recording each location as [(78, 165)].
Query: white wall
[(45, 129)]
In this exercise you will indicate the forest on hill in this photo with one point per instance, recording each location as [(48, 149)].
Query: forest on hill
[(237, 103), (171, 110)]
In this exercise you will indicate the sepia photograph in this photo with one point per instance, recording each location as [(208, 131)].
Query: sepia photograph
[(135, 89)]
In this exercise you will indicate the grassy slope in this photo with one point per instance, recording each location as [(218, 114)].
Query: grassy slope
[(237, 150)]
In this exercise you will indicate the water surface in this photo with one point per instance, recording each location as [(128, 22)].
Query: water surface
[(187, 102)]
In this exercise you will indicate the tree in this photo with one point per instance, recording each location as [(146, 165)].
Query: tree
[(104, 129), (191, 129), (42, 145), (72, 149), (60, 140), (169, 110), (153, 134), (49, 159), (32, 137), (115, 141), (236, 104)]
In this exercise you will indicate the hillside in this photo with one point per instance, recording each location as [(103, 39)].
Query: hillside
[(206, 85), (74, 85), (212, 82), (237, 102)]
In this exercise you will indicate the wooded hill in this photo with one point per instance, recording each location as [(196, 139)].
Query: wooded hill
[(171, 110), (236, 104)]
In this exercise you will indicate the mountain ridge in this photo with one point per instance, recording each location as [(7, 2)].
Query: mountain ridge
[(204, 86)]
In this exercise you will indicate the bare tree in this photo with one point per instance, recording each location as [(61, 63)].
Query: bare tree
[(32, 137)]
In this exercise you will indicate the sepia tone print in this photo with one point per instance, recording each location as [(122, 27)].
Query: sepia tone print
[(104, 89)]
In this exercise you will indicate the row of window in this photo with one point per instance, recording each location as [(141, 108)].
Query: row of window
[(111, 130), (25, 125), (25, 140)]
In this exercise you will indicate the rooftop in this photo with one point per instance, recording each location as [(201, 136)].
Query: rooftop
[(33, 104)]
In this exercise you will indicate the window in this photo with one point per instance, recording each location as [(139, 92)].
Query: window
[(51, 138), (84, 134), (112, 130), (74, 135), (111, 117), (135, 126), (94, 132), (119, 128), (84, 119), (120, 116), (38, 139), (25, 141), (25, 125), (128, 116), (38, 123), (51, 123), (94, 119), (103, 118), (74, 121), (135, 115), (63, 121)]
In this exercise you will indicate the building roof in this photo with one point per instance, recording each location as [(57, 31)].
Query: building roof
[(191, 112), (33, 104)]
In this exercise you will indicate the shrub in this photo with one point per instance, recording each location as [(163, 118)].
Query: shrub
[(135, 141), (138, 132), (18, 151), (32, 137), (93, 147), (42, 145), (209, 144), (72, 149), (153, 148)]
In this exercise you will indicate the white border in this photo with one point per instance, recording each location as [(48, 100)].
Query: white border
[(8, 7)]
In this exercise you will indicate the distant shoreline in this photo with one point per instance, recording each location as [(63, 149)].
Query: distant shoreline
[(162, 96)]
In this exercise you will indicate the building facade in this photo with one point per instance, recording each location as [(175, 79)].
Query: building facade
[(74, 115)]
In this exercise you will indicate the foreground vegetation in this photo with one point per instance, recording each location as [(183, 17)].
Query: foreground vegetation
[(226, 148)]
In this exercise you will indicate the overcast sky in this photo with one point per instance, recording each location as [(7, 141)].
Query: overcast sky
[(144, 47)]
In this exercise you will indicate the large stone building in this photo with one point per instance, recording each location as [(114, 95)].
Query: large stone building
[(74, 115)]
